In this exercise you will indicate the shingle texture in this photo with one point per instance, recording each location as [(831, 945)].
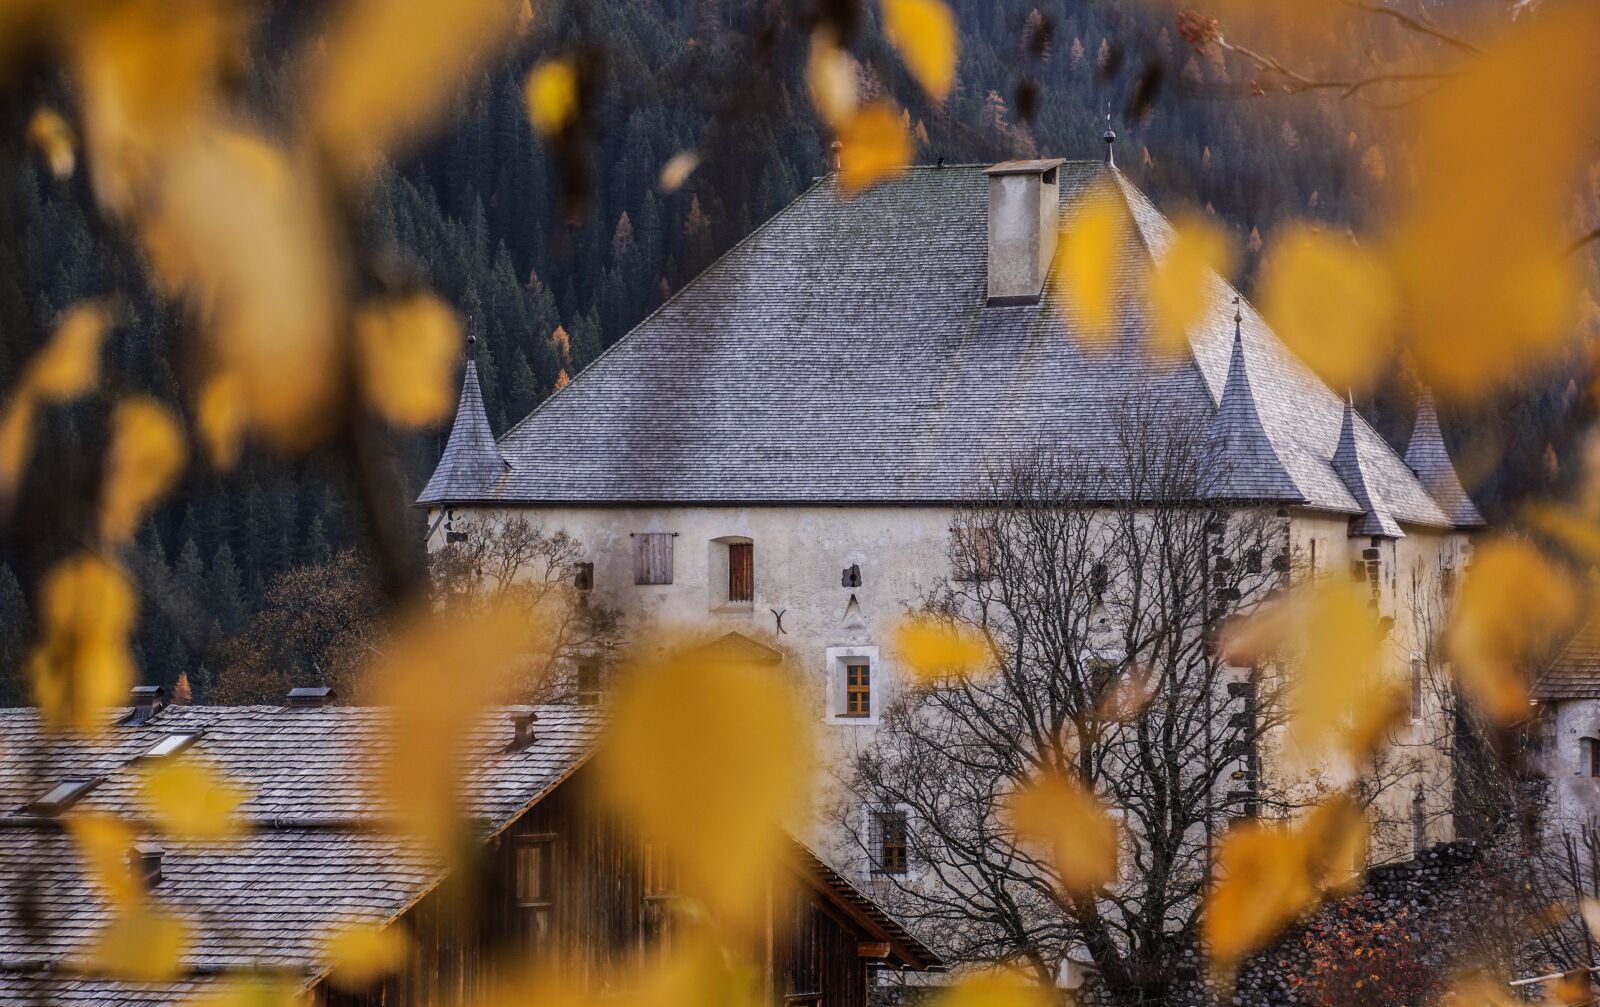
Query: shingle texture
[(315, 855), (843, 353), (1575, 672), (1242, 463), (1355, 465), (1430, 460), (471, 458)]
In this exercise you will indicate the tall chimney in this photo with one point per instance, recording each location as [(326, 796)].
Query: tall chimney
[(1024, 206), (145, 861), (147, 701)]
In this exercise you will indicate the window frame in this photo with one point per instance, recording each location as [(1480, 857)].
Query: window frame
[(854, 689), (1419, 670), (747, 550), (972, 564), (1589, 757), (535, 918), (582, 667), (880, 832), (661, 877), (836, 681)]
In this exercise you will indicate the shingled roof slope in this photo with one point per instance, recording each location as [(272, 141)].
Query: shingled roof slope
[(1241, 462), (471, 458), (1575, 672), (1352, 463), (1430, 460), (843, 353), (312, 859)]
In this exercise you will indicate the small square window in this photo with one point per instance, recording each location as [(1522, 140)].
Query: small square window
[(589, 681), (972, 552), (889, 842), (652, 557), (583, 576), (857, 687)]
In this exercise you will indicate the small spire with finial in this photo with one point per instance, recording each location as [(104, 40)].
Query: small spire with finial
[(836, 151), (1238, 321), (1110, 137), (472, 346)]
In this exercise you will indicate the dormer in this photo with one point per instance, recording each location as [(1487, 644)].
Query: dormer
[(1024, 210)]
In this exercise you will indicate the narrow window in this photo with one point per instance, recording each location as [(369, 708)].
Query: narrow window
[(660, 872), (972, 550), (857, 688), (1589, 750), (1252, 561), (1417, 678), (583, 576), (589, 685), (652, 557), (889, 842), (741, 571), (535, 870)]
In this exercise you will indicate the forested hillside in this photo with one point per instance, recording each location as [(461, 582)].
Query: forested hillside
[(551, 253)]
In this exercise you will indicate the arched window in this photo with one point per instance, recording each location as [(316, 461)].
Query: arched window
[(1589, 756)]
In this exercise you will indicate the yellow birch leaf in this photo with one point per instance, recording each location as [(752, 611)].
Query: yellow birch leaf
[(932, 651), (16, 440), (831, 79), (1084, 280), (1072, 824), (1570, 990), (1332, 303), (220, 418), (677, 170), (1184, 281), (81, 667), (147, 454), (1513, 605), (407, 348), (995, 988), (188, 800), (873, 146), (363, 953), (711, 762), (49, 132), (103, 843), (552, 93), (389, 70), (925, 33), (69, 364), (1484, 301), (140, 944)]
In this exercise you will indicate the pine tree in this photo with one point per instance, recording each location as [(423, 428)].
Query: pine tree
[(16, 627)]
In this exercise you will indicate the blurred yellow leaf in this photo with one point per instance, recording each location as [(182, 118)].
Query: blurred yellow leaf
[(553, 95), (1481, 243), (407, 347), (104, 842), (147, 454), (874, 146), (139, 944), (16, 440), (50, 133), (69, 364), (220, 418), (994, 989), (422, 761), (363, 953), (389, 69), (1328, 640), (925, 33), (677, 170), (1084, 280), (931, 650), (831, 78), (81, 668), (711, 760), (1513, 604), (1332, 303), (1072, 824), (250, 991), (1184, 282), (238, 231), (1480, 991), (188, 800), (1269, 873), (1571, 990)]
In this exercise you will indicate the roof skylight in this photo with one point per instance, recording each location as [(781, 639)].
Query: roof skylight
[(172, 744), (63, 795)]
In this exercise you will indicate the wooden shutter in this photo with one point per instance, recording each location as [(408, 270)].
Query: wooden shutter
[(652, 557), (741, 571)]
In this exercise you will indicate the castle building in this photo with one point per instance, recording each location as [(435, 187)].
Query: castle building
[(774, 456)]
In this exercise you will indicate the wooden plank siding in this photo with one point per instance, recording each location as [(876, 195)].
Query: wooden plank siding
[(603, 921)]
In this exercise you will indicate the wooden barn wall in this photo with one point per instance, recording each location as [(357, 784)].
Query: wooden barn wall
[(601, 920)]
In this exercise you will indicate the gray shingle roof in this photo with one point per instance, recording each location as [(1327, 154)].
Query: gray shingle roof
[(843, 353), (471, 458), (1242, 463), (1353, 463), (1430, 460), (1575, 672), (312, 859)]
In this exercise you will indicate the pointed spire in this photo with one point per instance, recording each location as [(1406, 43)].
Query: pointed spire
[(1375, 518), (472, 465), (1242, 464), (1110, 137), (1430, 460)]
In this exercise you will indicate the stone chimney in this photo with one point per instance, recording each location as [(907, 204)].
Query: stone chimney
[(145, 861), (523, 733), (1024, 206), (147, 701)]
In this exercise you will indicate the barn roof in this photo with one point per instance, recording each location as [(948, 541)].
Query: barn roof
[(1575, 672), (844, 352)]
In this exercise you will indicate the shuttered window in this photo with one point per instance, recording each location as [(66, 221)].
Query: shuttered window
[(535, 880), (972, 552), (741, 571), (652, 557)]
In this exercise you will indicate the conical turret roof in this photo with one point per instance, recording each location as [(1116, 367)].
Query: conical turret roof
[(1353, 469), (472, 466), (1242, 464), (1430, 460)]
